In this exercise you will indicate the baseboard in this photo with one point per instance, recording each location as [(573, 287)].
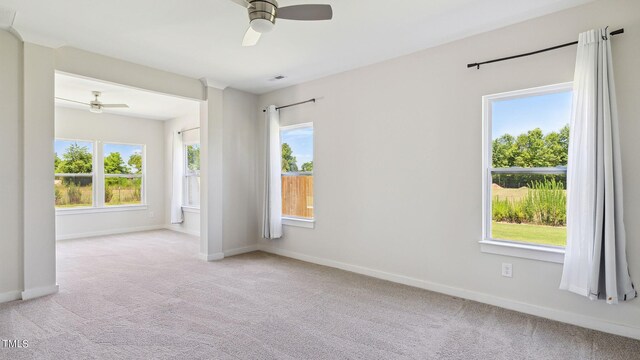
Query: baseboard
[(178, 228), (545, 312), (240, 250), (212, 257), (10, 296), (109, 232), (29, 294)]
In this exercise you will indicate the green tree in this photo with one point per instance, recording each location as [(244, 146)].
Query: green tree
[(193, 157), (114, 164), (288, 160), (502, 151), (531, 149), (76, 160), (56, 162), (308, 166), (135, 162)]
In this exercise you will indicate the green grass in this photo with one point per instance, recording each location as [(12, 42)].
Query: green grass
[(536, 234)]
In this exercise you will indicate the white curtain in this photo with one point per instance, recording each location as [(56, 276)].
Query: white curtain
[(595, 262), (272, 222), (177, 217)]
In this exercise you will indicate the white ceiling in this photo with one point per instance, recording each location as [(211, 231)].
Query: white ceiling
[(143, 104), (201, 38)]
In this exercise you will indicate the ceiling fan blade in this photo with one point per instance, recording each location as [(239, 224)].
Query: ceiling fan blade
[(305, 12), (114, 105), (73, 101), (244, 3), (251, 37)]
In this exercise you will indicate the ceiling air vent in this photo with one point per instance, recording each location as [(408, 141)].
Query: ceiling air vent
[(277, 77)]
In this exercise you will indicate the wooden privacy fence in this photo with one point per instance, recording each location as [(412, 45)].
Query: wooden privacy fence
[(297, 195)]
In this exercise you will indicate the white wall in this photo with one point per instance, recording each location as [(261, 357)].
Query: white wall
[(191, 224), (241, 205), (11, 274), (96, 66), (398, 164), (84, 125)]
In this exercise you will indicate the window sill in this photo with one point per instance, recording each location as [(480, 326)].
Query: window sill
[(96, 210), (191, 209), (542, 253), (303, 223)]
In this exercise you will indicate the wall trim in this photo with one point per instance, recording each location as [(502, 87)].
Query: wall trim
[(209, 82), (540, 311), (109, 232), (212, 257), (178, 228), (240, 250), (10, 296), (29, 294)]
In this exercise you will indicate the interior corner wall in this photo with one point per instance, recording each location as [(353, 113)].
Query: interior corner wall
[(191, 224), (240, 205), (398, 164), (110, 128), (11, 255)]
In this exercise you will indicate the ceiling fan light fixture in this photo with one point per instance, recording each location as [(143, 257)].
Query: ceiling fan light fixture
[(262, 25), (94, 108)]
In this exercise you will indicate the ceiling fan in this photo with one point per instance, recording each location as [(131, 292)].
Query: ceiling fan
[(263, 15), (96, 106)]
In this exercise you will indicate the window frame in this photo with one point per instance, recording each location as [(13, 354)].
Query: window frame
[(93, 175), (99, 184), (104, 176), (294, 220), (186, 175), (505, 246)]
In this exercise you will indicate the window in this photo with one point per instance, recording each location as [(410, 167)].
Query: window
[(192, 175), (79, 182), (526, 139), (123, 174), (73, 185), (297, 171)]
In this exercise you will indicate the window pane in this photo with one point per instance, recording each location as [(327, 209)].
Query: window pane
[(73, 191), (73, 157), (531, 131), (125, 162), (297, 172), (193, 191), (123, 190), (529, 208), (122, 159), (193, 159), (297, 195)]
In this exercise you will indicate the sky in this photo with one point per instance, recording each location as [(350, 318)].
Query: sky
[(301, 142), (125, 150), (548, 112)]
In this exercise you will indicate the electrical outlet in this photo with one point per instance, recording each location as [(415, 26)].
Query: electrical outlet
[(507, 270), (151, 214)]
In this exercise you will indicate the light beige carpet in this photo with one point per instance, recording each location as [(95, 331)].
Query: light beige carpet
[(147, 296)]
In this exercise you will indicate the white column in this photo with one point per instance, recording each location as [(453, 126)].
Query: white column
[(38, 137), (211, 195)]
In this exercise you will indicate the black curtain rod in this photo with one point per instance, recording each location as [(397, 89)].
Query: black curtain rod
[(290, 105), (195, 128), (477, 65)]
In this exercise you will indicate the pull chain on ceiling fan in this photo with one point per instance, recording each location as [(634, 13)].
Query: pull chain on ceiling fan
[(263, 15)]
